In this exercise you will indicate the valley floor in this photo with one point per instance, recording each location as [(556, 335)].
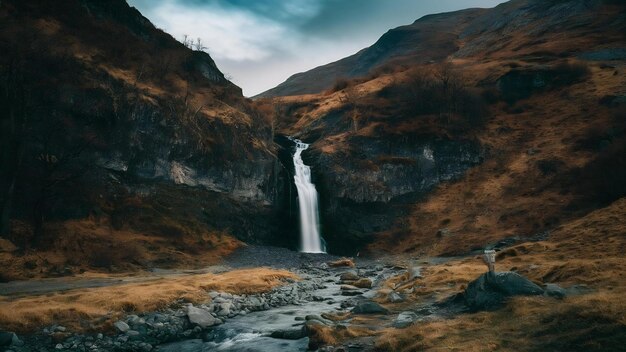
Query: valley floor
[(274, 299)]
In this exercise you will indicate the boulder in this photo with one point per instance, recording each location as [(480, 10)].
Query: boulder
[(201, 317), (369, 307), (363, 283), (491, 290), (404, 319), (394, 297), (294, 334), (349, 276), (312, 318), (224, 309), (121, 326)]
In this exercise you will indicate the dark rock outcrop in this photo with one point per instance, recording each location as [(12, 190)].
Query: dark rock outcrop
[(369, 307), (365, 193), (491, 290)]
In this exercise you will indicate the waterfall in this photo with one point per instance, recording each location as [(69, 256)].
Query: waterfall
[(310, 239)]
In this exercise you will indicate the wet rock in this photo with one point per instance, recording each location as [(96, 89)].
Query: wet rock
[(349, 276), (312, 318), (369, 307), (201, 317), (491, 290), (351, 293), (294, 334), (404, 319)]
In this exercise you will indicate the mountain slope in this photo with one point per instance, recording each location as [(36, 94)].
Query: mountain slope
[(500, 139), (510, 29), (432, 37), (115, 135)]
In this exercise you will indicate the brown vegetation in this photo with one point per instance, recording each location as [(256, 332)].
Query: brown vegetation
[(343, 262), (79, 246), (97, 308), (588, 251)]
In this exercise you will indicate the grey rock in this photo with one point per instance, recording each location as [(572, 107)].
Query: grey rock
[(404, 319), (224, 309), (369, 307), (554, 290), (394, 297), (349, 276), (201, 317), (317, 318), (121, 326)]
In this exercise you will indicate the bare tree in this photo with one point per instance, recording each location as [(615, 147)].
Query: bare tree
[(187, 41), (198, 45)]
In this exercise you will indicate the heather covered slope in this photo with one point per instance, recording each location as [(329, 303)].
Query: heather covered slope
[(531, 105), (515, 28), (111, 123)]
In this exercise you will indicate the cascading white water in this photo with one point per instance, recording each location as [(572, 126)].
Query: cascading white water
[(311, 239)]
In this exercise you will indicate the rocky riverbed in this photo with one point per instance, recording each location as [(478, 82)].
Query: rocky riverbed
[(331, 294), (271, 321)]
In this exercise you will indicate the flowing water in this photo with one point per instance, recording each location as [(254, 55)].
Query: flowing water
[(311, 239)]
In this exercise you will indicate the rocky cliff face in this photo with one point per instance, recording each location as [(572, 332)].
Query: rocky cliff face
[(108, 118), (367, 193)]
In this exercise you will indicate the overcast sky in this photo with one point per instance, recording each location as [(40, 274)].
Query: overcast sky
[(260, 43)]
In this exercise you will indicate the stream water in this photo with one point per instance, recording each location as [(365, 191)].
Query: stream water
[(251, 332)]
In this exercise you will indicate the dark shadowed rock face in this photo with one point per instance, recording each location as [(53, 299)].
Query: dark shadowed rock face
[(490, 290), (127, 125), (365, 193)]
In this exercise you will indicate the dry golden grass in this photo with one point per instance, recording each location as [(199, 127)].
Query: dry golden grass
[(593, 322), (508, 194), (86, 245), (588, 251), (325, 335), (98, 307)]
